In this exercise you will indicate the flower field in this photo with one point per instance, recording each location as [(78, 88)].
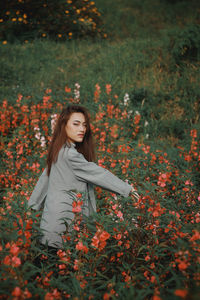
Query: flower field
[(145, 249)]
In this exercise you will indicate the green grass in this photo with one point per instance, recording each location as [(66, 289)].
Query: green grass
[(34, 67)]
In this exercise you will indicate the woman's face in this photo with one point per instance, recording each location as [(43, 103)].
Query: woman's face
[(76, 127)]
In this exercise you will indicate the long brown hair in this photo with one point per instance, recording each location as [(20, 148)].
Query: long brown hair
[(59, 138)]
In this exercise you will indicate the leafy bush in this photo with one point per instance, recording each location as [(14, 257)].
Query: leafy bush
[(60, 20), (185, 43)]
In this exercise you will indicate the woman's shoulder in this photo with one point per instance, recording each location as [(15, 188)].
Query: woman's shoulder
[(73, 155), (70, 150)]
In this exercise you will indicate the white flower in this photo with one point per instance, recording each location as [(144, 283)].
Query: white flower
[(39, 137), (129, 113), (36, 128), (38, 134), (137, 112), (43, 142), (77, 85), (77, 91), (146, 123), (126, 99), (53, 121)]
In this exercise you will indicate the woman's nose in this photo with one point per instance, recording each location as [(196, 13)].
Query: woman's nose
[(82, 128)]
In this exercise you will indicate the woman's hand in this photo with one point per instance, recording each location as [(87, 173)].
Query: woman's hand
[(135, 194), (133, 191)]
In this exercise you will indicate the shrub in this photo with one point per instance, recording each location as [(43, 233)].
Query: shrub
[(60, 20), (167, 114), (185, 43)]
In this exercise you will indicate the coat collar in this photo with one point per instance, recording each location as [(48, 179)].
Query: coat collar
[(69, 144)]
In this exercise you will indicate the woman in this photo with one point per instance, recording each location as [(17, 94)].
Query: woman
[(70, 167)]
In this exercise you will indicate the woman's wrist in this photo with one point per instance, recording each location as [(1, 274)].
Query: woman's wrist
[(135, 193)]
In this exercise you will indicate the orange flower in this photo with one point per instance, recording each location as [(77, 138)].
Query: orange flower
[(99, 240), (193, 133), (82, 247), (118, 236), (78, 195), (153, 279), (16, 261), (106, 296), (196, 236), (97, 93), (155, 297), (104, 236), (27, 294), (48, 296), (62, 267), (7, 260), (147, 258), (14, 250), (182, 266), (17, 292), (76, 206), (180, 293), (67, 90), (108, 89), (137, 119), (95, 241), (114, 131), (76, 264)]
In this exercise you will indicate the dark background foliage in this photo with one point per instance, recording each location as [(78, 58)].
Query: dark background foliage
[(25, 20)]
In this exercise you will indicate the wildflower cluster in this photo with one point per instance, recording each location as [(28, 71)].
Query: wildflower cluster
[(60, 20), (99, 239), (133, 248)]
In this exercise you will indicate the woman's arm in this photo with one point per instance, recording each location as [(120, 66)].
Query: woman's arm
[(40, 191), (92, 173)]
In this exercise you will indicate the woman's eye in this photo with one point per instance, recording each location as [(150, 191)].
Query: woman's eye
[(76, 124)]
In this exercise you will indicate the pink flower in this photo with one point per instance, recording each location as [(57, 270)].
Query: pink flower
[(120, 214)]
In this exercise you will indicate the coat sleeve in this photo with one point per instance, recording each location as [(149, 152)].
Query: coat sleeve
[(40, 191), (92, 173)]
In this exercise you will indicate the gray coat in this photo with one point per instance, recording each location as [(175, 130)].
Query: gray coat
[(71, 172)]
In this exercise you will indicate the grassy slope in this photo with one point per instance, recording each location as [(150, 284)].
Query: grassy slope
[(135, 56)]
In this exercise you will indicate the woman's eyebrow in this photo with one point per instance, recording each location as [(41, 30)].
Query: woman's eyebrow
[(79, 121)]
